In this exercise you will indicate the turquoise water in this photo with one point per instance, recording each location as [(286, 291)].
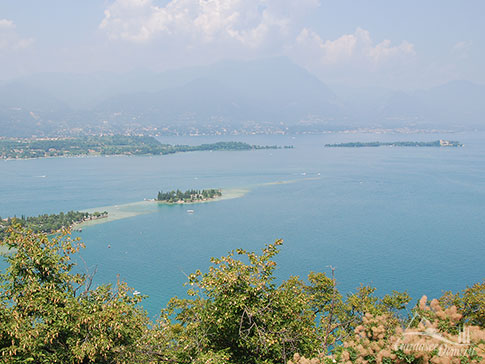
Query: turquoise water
[(396, 218)]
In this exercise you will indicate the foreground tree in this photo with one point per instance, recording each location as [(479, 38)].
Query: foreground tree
[(48, 314), (237, 313)]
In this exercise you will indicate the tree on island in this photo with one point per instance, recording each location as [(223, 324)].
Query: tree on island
[(188, 196), (49, 223)]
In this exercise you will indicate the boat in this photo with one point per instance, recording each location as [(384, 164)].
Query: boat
[(136, 293), (190, 211)]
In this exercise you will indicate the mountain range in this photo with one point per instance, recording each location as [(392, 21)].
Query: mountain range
[(271, 91)]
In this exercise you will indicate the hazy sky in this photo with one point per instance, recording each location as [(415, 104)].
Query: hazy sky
[(391, 43)]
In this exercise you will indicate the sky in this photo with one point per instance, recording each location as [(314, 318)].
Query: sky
[(362, 43)]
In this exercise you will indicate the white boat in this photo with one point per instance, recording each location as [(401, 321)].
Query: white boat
[(136, 293), (190, 211)]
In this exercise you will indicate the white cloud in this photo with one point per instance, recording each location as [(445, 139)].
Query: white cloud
[(193, 32), (6, 24), (349, 48), (462, 49), (249, 23), (463, 45), (9, 39)]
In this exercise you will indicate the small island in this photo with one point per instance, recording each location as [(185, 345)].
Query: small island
[(49, 223), (189, 196), (436, 143)]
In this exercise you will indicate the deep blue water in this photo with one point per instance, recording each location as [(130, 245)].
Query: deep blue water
[(397, 218)]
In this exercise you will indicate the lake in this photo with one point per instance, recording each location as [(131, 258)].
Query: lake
[(395, 218)]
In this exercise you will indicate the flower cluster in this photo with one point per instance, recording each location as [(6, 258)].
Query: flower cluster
[(434, 335)]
